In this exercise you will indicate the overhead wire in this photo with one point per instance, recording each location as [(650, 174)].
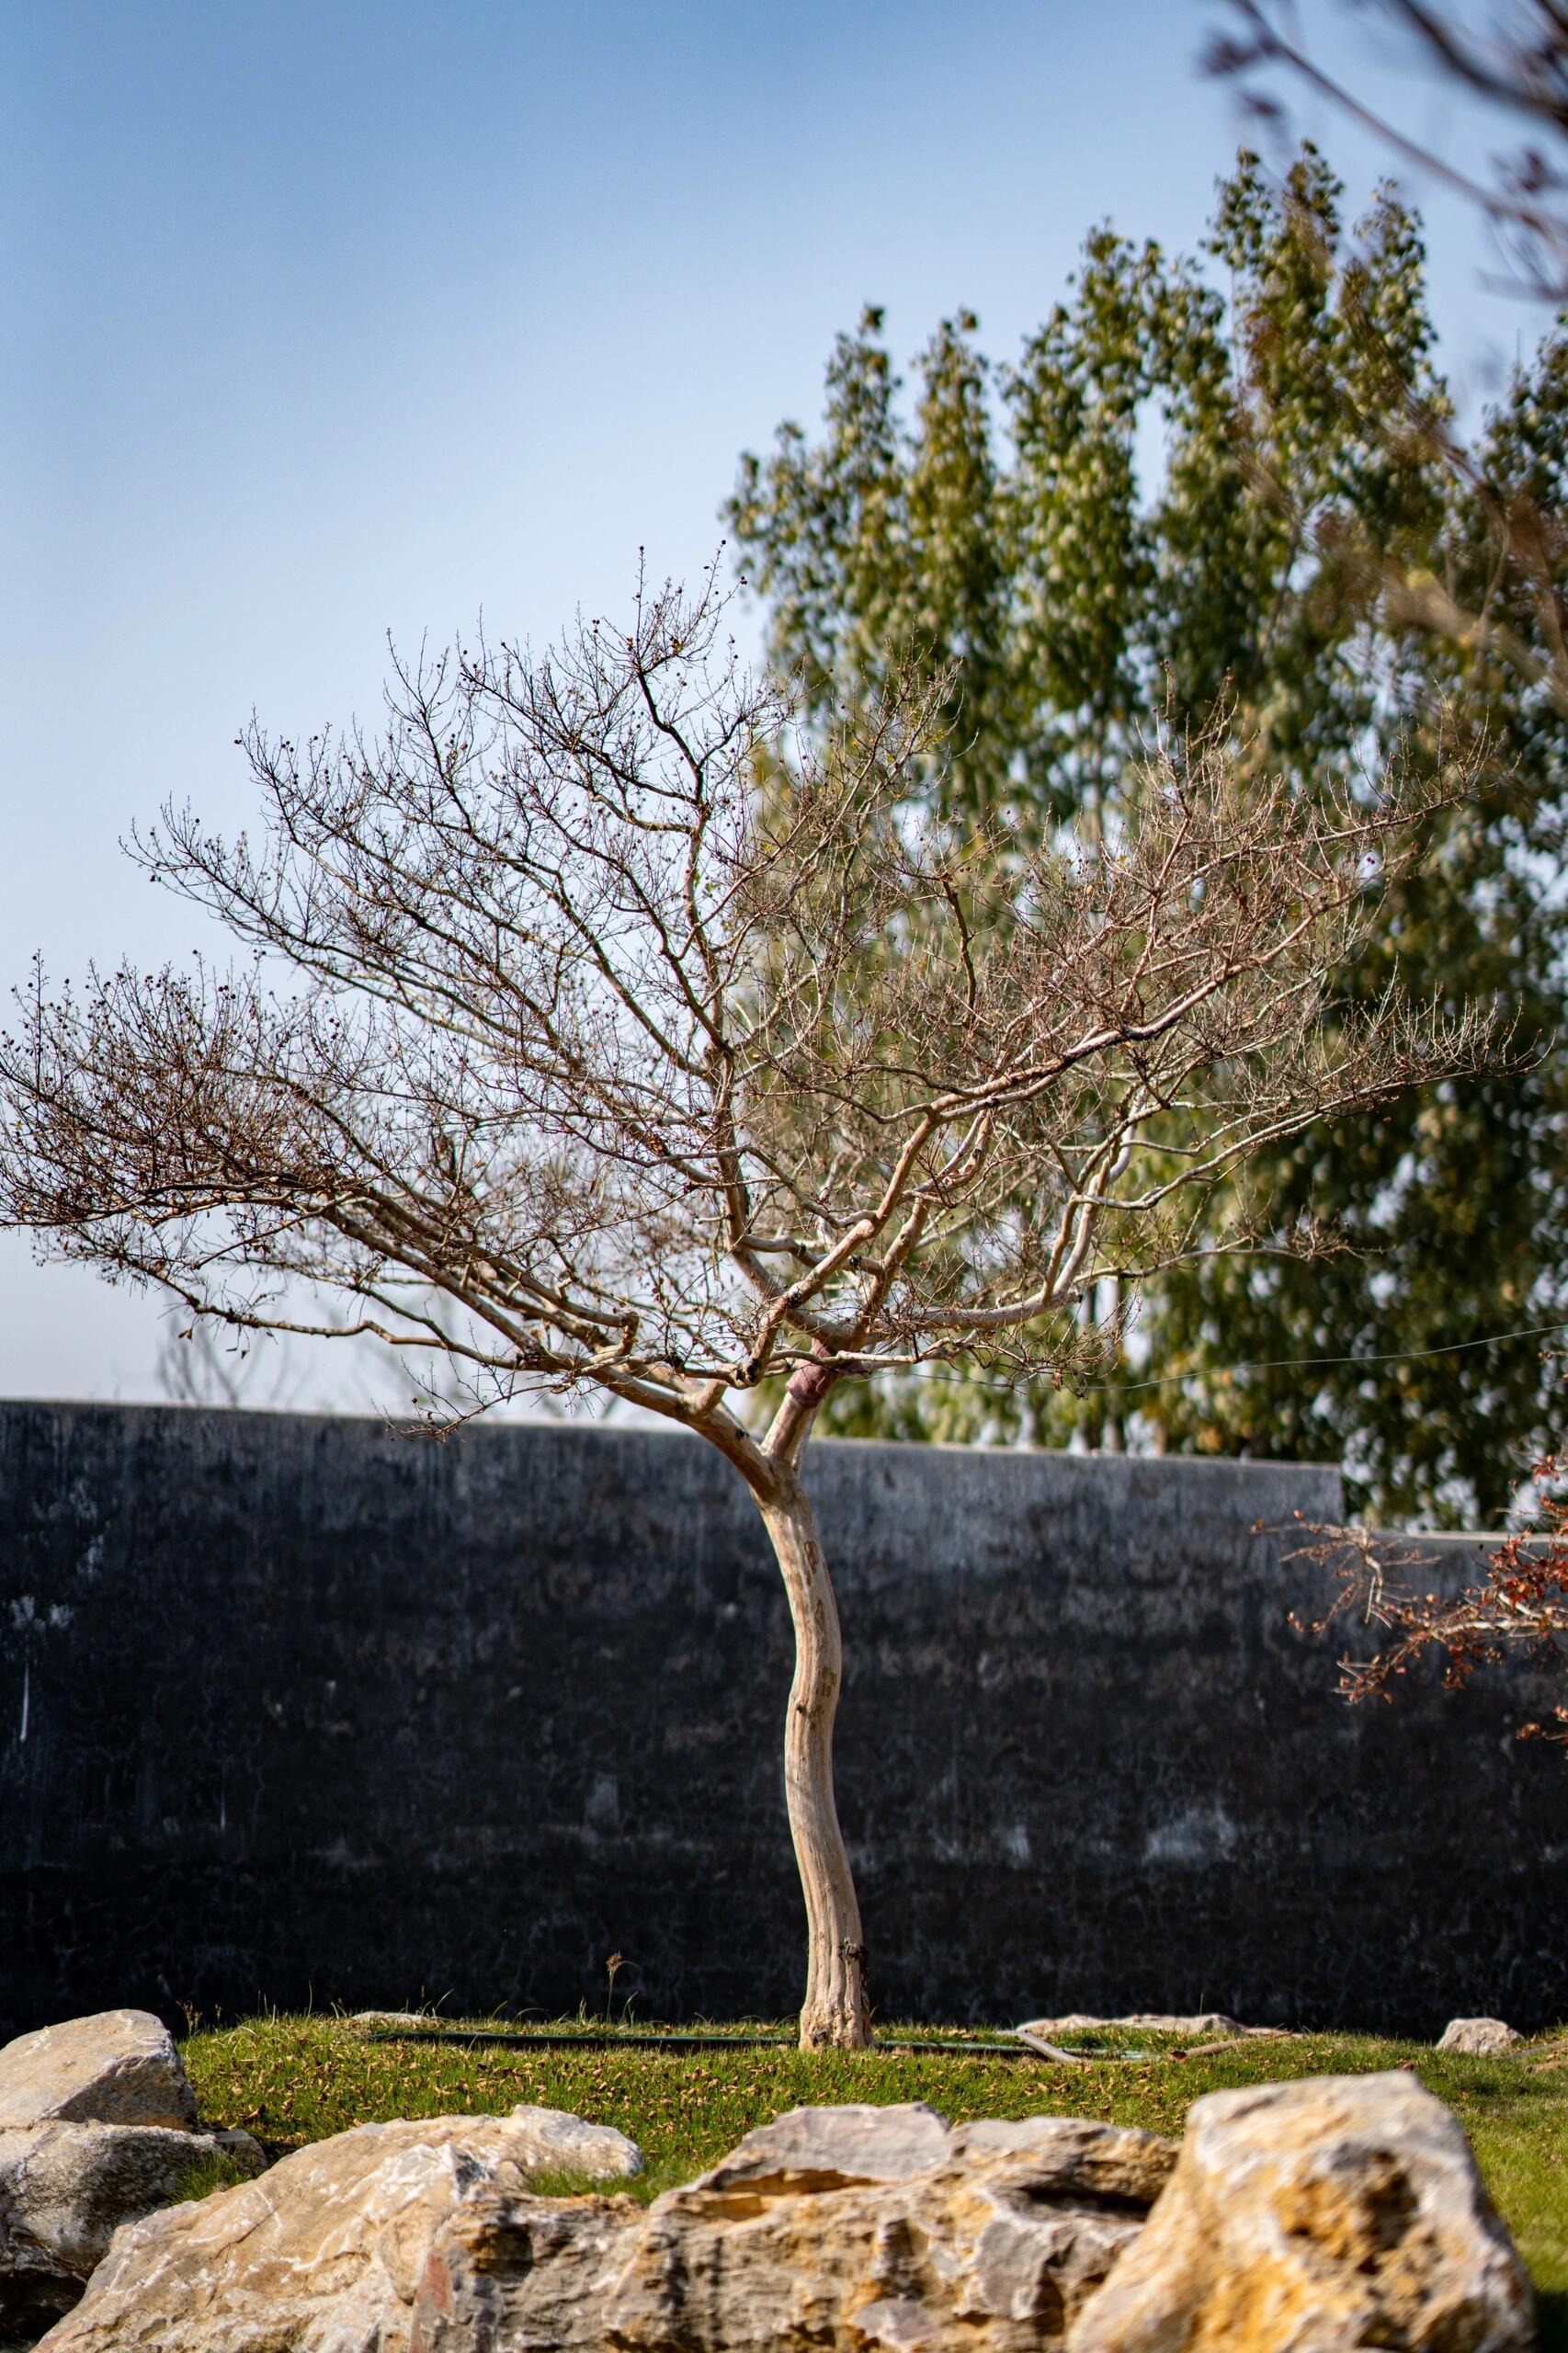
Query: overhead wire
[(1265, 1364)]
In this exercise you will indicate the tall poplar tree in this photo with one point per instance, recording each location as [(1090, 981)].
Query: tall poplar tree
[(1233, 483)]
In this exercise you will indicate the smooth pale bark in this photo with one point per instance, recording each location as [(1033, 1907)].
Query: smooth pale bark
[(835, 2014)]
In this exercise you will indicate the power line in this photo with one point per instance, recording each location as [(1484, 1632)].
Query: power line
[(1266, 1364)]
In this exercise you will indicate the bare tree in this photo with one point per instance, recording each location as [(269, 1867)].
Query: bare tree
[(602, 1066), (199, 1364), (1514, 61)]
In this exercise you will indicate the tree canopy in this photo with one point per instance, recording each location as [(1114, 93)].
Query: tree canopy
[(576, 1054), (1233, 484)]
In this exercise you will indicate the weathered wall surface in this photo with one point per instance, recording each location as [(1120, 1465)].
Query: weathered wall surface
[(294, 1708)]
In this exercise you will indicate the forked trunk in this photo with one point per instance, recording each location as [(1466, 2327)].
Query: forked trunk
[(835, 2014)]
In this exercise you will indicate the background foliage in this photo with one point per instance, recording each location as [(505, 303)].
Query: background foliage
[(1234, 482)]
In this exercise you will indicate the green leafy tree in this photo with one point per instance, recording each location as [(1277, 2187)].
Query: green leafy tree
[(1233, 483)]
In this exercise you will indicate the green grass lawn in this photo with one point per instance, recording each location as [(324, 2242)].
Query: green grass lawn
[(290, 2080)]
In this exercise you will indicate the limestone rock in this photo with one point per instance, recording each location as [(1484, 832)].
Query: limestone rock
[(118, 2067), (1073, 2154), (832, 2148), (1342, 2210), (65, 2189), (1202, 2026), (551, 2139), (323, 2252), (1484, 2038), (848, 2230)]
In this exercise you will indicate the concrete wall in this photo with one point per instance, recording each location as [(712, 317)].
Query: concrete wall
[(296, 1707)]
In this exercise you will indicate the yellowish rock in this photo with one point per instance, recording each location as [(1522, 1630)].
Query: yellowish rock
[(323, 2254), (1314, 2217), (1482, 2038), (115, 2068), (1200, 2025), (834, 2230), (66, 2188)]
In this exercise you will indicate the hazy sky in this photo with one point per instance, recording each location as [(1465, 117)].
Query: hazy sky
[(332, 317)]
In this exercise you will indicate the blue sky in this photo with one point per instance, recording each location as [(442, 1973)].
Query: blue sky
[(330, 319)]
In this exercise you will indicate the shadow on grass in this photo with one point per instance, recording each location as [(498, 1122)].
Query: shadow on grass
[(1551, 2305), (218, 2172)]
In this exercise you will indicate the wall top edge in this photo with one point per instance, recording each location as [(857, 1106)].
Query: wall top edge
[(488, 1429)]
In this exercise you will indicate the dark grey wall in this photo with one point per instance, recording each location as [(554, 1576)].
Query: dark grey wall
[(294, 1707)]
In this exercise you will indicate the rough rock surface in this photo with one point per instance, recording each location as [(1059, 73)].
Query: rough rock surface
[(1483, 2037), (824, 2148), (96, 2128), (65, 2189), (1201, 2025), (843, 2230), (1339, 2211), (118, 2067), (323, 2252)]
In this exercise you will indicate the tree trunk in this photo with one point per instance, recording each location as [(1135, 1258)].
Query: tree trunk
[(835, 2014)]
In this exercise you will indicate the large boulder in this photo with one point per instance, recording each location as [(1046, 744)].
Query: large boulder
[(1339, 2211), (65, 2189), (846, 2230), (118, 2067), (324, 2252), (96, 2128), (1482, 2037)]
